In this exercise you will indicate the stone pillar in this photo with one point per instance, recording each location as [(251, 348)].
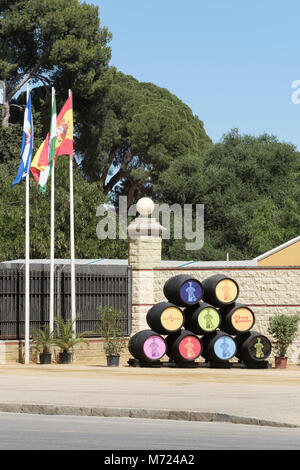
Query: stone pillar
[(144, 255)]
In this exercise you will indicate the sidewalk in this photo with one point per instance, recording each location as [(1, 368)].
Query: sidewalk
[(266, 397)]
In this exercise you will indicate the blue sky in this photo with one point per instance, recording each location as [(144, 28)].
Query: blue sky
[(232, 61)]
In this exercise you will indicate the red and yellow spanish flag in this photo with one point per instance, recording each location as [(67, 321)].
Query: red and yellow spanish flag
[(64, 129), (64, 143)]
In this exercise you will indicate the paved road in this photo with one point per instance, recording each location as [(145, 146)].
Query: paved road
[(39, 432)]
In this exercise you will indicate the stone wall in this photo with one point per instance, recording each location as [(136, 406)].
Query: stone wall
[(13, 352), (267, 290)]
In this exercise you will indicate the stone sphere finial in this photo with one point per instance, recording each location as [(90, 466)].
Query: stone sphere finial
[(143, 225), (145, 206)]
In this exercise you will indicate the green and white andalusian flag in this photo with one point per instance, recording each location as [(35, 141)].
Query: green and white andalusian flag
[(51, 151)]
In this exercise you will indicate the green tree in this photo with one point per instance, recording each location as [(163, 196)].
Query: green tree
[(251, 194), (127, 132), (134, 134), (87, 197), (10, 142), (55, 42)]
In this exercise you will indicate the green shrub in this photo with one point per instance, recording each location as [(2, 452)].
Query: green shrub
[(111, 330), (283, 328)]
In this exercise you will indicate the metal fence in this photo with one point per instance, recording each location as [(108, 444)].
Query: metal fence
[(95, 286)]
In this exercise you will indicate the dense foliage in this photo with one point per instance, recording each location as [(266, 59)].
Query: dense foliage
[(55, 43), (134, 134), (132, 139), (87, 197), (284, 329), (251, 194)]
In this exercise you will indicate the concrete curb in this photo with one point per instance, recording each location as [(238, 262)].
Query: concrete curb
[(184, 415)]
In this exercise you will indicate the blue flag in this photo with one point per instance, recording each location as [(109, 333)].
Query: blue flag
[(27, 145)]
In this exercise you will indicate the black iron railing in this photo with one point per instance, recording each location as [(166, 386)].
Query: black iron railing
[(95, 286)]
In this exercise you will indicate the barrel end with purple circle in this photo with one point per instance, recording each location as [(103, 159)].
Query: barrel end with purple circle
[(183, 290), (147, 346)]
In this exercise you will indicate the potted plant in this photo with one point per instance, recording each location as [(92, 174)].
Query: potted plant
[(283, 328), (66, 339), (43, 340), (111, 329)]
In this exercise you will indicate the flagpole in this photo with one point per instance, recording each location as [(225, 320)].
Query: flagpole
[(27, 270), (72, 244), (51, 301)]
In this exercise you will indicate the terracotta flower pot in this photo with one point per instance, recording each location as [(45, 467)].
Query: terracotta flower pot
[(280, 362)]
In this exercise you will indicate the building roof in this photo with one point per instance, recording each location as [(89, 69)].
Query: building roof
[(278, 248), (124, 262)]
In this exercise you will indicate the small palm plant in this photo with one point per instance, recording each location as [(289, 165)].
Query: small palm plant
[(43, 339), (65, 337)]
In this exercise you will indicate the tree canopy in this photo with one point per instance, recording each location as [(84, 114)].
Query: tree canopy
[(58, 43), (132, 138), (134, 134), (127, 132), (251, 194)]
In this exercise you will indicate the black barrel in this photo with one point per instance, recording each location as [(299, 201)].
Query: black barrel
[(147, 346), (165, 318), (236, 319), (201, 318), (253, 347), (218, 346), (183, 290), (220, 290), (183, 346)]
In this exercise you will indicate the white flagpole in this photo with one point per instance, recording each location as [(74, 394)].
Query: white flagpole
[(72, 244), (27, 270), (51, 302)]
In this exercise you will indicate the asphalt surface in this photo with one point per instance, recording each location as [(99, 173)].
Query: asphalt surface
[(246, 396), (40, 432)]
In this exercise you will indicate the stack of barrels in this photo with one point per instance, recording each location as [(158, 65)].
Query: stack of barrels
[(200, 319)]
